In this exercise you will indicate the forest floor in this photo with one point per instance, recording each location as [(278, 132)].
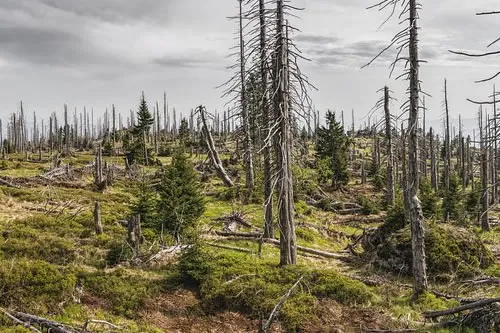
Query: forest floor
[(49, 248)]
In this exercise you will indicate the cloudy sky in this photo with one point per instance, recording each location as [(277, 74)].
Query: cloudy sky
[(97, 52)]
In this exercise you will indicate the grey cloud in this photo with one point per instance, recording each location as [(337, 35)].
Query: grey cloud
[(316, 39), (185, 61)]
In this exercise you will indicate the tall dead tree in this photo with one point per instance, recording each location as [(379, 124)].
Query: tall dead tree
[(264, 72), (282, 142), (212, 151), (407, 39), (484, 217), (447, 146), (390, 158), (434, 173)]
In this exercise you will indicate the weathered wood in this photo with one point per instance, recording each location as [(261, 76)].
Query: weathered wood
[(212, 151), (267, 324), (97, 218), (475, 305)]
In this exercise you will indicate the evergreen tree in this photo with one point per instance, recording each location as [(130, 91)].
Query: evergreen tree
[(184, 131), (180, 199), (332, 149), (140, 132), (451, 202), (145, 203)]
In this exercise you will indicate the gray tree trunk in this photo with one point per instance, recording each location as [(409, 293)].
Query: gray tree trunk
[(414, 209), (248, 158), (288, 249), (388, 149), (434, 174), (268, 186), (485, 223), (97, 218)]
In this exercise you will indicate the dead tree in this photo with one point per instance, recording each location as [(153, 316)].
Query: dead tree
[(434, 173), (282, 142), (484, 217), (97, 218), (388, 149), (212, 151), (407, 39), (99, 182), (447, 147), (237, 88), (263, 66)]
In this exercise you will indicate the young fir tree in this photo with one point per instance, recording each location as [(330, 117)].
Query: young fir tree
[(184, 132), (180, 200), (141, 132), (145, 203), (332, 149)]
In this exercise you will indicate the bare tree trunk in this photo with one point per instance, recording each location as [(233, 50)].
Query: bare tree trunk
[(414, 209), (447, 164), (388, 149), (248, 158), (485, 223), (268, 186), (97, 218), (212, 151), (98, 180), (494, 156), (288, 249), (424, 141), (434, 174), (66, 131)]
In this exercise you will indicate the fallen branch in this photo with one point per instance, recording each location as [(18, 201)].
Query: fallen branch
[(51, 326), (234, 248), (266, 324), (95, 321), (19, 322), (258, 238), (475, 305), (7, 183)]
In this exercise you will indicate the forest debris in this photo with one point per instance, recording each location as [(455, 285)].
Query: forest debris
[(7, 183), (258, 238), (232, 221), (52, 326), (267, 323), (234, 248), (95, 321), (461, 308), (166, 253), (19, 322)]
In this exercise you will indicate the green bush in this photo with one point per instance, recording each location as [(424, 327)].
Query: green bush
[(124, 294), (368, 206), (34, 285), (238, 282), (449, 251)]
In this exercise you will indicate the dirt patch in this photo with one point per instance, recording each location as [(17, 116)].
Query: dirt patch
[(180, 311), (335, 318)]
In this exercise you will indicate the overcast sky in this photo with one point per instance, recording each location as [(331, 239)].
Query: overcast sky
[(97, 52)]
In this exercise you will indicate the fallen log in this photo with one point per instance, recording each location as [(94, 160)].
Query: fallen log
[(51, 326), (234, 248), (19, 322), (258, 238), (7, 183), (475, 305)]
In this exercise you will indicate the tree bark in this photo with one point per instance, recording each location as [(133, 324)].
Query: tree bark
[(248, 158), (268, 186), (282, 142), (388, 149), (212, 152), (97, 218), (414, 209)]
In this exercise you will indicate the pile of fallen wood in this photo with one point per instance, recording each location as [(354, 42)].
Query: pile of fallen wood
[(39, 324)]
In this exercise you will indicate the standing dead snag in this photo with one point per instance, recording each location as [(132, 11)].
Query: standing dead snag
[(282, 143), (390, 158), (212, 152), (248, 156), (408, 39), (97, 218)]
